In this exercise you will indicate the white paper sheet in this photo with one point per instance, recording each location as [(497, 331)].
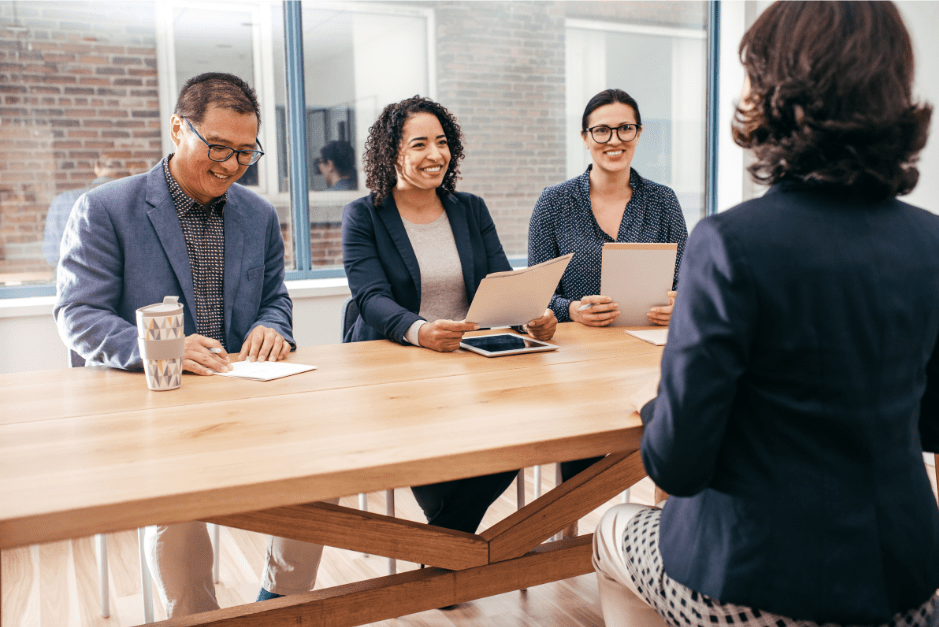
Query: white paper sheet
[(637, 278), (264, 370), (653, 336), (516, 297)]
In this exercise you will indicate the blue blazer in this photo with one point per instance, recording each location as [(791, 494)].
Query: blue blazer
[(123, 248), (382, 269), (800, 387)]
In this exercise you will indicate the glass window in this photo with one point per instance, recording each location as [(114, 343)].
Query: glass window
[(87, 91)]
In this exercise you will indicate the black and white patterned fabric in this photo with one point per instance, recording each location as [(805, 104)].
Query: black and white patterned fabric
[(680, 606), (204, 231), (563, 222)]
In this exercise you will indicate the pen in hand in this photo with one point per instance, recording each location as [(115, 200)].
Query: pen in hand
[(585, 306)]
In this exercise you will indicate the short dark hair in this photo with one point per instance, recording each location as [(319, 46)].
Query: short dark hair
[(384, 144), (342, 154), (216, 88), (831, 97), (609, 96)]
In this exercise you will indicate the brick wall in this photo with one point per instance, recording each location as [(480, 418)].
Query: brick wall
[(77, 80)]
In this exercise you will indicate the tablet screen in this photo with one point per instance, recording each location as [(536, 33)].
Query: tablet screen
[(499, 343)]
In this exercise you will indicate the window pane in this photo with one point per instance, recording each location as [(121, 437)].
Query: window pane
[(81, 86), (356, 61), (78, 83)]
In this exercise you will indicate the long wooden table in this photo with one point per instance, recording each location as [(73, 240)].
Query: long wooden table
[(92, 450)]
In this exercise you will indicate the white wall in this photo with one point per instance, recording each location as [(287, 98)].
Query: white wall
[(29, 339)]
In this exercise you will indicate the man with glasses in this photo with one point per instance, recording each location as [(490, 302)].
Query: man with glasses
[(182, 229)]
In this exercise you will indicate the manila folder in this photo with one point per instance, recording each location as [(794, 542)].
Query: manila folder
[(516, 297), (637, 277)]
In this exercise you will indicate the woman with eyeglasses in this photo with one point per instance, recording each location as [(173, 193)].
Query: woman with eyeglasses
[(609, 202)]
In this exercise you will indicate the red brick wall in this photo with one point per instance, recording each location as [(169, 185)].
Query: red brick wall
[(79, 79), (76, 80)]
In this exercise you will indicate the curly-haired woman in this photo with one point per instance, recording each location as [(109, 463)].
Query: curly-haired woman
[(415, 251), (800, 384)]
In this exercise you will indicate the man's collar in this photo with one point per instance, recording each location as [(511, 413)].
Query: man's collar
[(216, 204)]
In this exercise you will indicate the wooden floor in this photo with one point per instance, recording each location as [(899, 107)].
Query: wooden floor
[(55, 584)]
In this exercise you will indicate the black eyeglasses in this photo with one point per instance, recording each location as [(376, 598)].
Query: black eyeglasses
[(602, 134), (218, 152)]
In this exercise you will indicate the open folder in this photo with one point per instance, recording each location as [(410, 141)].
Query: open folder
[(637, 277), (516, 297)]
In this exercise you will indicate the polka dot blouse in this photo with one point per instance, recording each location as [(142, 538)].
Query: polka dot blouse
[(563, 222)]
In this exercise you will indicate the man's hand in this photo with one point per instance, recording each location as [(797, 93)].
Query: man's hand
[(662, 315), (444, 335), (264, 344), (544, 327), (198, 356)]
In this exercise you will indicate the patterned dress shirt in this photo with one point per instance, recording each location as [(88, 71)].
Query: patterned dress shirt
[(563, 222), (204, 231)]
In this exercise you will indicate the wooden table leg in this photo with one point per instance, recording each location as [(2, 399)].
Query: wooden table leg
[(507, 556)]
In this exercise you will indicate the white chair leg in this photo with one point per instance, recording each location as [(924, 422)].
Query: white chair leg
[(520, 489), (101, 548), (558, 480), (537, 481), (363, 506), (215, 536), (146, 586), (390, 511), (626, 495)]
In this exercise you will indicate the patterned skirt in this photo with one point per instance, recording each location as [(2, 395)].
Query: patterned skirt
[(681, 606)]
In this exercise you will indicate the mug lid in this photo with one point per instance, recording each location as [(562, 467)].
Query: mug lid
[(170, 305)]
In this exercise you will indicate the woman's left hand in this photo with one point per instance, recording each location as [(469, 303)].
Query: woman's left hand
[(648, 391), (662, 315), (543, 328)]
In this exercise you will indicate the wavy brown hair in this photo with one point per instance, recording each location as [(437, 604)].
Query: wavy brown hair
[(831, 97), (384, 144)]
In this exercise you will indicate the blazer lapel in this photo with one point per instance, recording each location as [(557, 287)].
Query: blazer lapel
[(162, 215), (461, 235), (389, 215), (234, 244)]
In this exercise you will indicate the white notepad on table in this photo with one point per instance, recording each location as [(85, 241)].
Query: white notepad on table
[(264, 370), (516, 297), (653, 336), (637, 277)]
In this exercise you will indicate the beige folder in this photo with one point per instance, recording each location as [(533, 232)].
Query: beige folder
[(515, 297), (637, 277)]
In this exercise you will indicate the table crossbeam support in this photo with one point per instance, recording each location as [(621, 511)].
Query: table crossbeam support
[(366, 532), (397, 595), (542, 518)]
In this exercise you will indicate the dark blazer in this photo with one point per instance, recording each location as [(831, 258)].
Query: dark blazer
[(124, 248), (800, 387), (382, 269)]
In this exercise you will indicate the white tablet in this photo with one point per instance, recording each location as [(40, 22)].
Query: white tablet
[(504, 344)]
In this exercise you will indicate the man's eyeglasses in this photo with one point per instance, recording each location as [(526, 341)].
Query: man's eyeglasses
[(218, 152), (603, 134)]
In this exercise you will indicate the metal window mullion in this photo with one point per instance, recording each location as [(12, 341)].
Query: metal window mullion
[(296, 132), (713, 106)]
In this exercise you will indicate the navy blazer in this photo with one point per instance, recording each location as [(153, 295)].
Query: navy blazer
[(382, 269), (800, 387), (124, 248)]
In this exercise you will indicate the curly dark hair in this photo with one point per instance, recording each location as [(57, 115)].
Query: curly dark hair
[(384, 143), (831, 97)]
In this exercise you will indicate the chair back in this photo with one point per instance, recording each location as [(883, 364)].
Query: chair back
[(350, 313)]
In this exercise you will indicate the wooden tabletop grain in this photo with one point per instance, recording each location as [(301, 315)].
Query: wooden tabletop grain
[(92, 450)]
